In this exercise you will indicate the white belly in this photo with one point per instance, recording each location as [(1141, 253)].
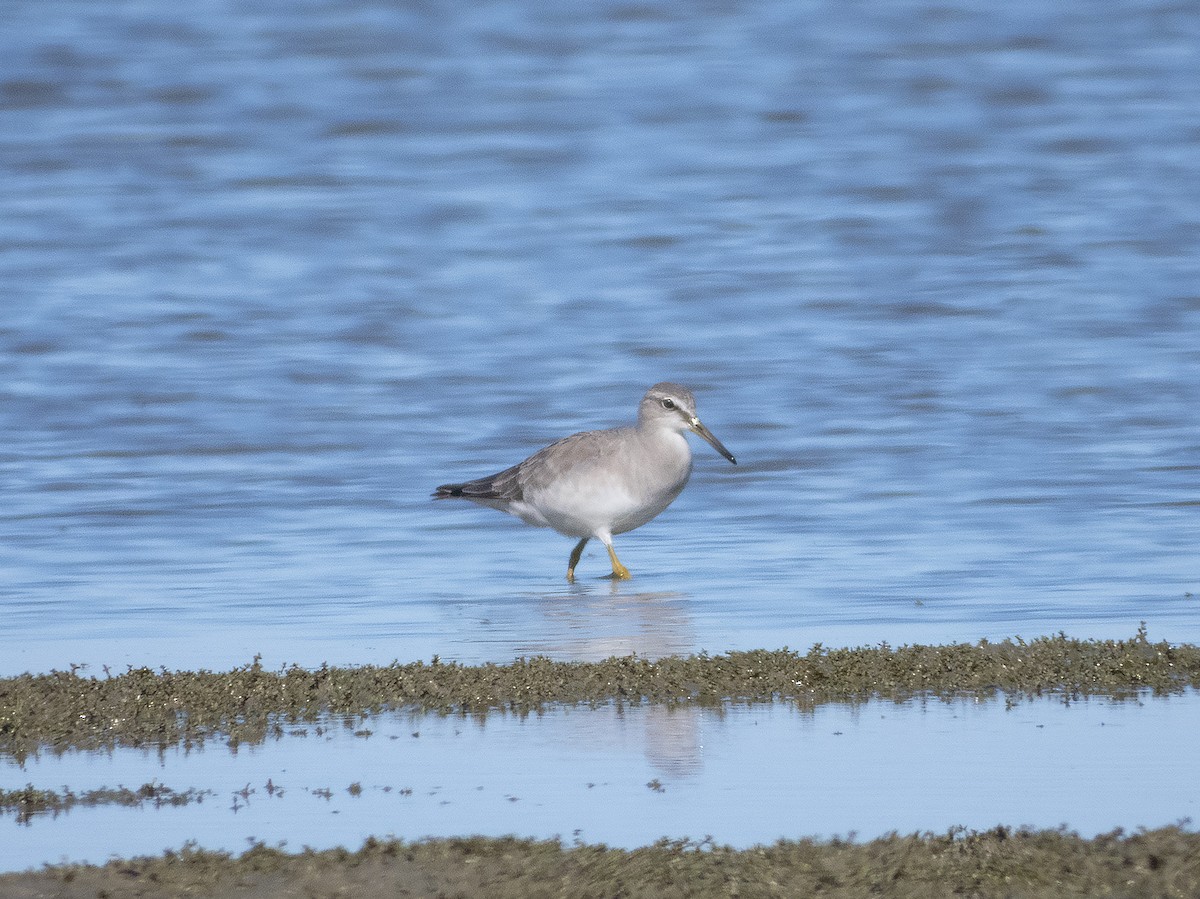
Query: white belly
[(611, 495)]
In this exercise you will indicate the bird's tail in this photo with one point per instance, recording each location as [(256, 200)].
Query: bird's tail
[(504, 486), (484, 488)]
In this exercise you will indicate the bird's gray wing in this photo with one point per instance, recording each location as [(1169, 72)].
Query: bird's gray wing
[(540, 470)]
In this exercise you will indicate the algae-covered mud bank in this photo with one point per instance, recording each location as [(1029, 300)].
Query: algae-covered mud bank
[(999, 863), (1057, 742), (84, 710)]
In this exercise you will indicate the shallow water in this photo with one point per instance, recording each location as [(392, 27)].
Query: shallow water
[(628, 777), (271, 273)]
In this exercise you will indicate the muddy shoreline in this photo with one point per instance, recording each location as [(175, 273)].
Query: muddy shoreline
[(999, 862), (78, 710)]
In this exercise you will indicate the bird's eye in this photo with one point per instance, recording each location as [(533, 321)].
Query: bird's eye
[(668, 403)]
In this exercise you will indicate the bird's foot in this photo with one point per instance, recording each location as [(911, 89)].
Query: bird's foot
[(620, 572)]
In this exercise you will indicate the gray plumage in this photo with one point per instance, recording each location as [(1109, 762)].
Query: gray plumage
[(601, 483)]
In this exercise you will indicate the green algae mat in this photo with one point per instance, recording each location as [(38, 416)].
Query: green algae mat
[(78, 710), (999, 862), (66, 710)]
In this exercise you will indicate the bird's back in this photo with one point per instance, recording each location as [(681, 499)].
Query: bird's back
[(613, 479)]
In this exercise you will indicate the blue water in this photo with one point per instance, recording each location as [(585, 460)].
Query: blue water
[(271, 272), (629, 777)]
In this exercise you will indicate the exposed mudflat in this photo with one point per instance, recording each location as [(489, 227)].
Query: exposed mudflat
[(66, 710), (999, 862), (63, 714)]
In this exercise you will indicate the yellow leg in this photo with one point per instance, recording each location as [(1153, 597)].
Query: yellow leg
[(620, 572), (575, 554)]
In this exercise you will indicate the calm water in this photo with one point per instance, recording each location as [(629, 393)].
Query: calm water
[(628, 778), (271, 272)]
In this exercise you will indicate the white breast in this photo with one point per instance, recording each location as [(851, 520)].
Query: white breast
[(617, 490)]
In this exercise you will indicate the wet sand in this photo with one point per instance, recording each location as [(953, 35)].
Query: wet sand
[(999, 862), (78, 710)]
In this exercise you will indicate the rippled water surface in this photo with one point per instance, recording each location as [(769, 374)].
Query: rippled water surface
[(271, 272)]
